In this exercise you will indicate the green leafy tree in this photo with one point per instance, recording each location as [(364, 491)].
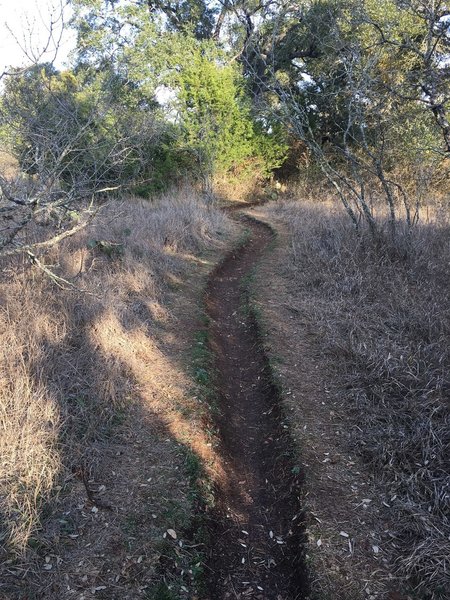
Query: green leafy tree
[(214, 113), (76, 131), (209, 98), (365, 86)]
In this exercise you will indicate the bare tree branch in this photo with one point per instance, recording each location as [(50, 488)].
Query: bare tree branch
[(47, 243)]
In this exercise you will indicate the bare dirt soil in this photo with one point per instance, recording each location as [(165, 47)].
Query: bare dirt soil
[(256, 529)]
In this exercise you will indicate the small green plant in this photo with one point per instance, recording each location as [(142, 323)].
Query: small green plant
[(193, 465), (202, 376), (111, 249), (161, 592), (131, 524), (176, 514), (202, 368)]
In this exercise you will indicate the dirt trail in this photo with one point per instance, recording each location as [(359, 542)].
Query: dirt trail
[(256, 532)]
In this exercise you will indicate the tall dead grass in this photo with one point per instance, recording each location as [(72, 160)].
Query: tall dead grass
[(382, 316), (62, 381)]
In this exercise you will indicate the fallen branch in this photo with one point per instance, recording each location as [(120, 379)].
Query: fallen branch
[(60, 281), (30, 248)]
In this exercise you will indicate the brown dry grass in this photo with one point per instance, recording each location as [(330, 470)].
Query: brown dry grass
[(9, 166), (378, 314), (241, 185), (71, 360)]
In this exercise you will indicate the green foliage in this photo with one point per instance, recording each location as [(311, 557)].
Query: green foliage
[(347, 77), (161, 591), (270, 145), (110, 249), (365, 87), (214, 115), (81, 130), (201, 92), (168, 162)]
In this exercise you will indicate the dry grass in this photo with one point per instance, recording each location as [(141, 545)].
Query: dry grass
[(69, 358), (8, 164), (244, 184), (30, 422), (381, 314)]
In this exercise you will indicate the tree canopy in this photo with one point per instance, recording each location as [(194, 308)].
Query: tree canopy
[(198, 89)]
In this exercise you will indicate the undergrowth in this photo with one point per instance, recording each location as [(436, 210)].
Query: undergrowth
[(74, 356), (380, 311)]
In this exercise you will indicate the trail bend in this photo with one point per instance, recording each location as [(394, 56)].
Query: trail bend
[(257, 536)]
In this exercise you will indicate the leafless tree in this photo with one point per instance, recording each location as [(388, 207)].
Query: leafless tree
[(69, 153), (36, 51), (353, 99)]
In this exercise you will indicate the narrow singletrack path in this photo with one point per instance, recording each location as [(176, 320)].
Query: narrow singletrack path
[(257, 540)]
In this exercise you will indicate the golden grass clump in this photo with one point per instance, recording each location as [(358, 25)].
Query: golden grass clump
[(30, 424)]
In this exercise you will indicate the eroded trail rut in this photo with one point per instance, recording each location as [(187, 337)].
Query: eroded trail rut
[(256, 546)]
